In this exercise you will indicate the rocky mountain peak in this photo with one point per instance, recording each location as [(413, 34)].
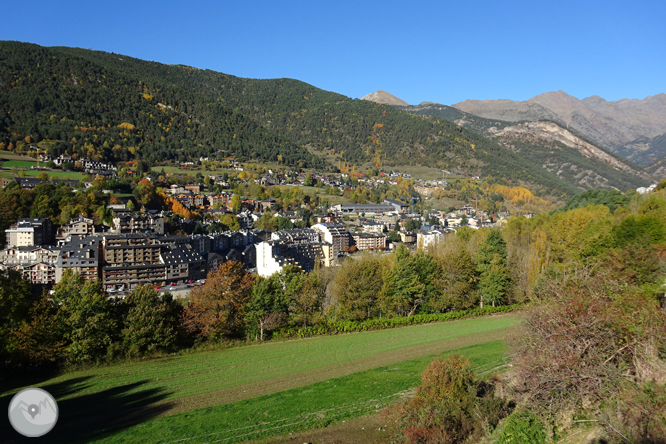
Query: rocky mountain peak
[(385, 98)]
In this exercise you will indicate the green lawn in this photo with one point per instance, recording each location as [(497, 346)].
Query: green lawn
[(193, 172), (312, 406), (190, 374), (20, 163), (213, 383), (52, 174)]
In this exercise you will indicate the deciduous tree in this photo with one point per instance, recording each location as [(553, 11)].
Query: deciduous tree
[(151, 323), (217, 308)]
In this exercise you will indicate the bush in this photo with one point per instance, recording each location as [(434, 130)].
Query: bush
[(522, 428), (637, 415), (450, 406)]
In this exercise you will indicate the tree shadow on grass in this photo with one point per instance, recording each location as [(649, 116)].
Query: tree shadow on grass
[(92, 416)]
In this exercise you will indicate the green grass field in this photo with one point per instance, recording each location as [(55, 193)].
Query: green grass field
[(312, 406), (187, 395), (20, 163), (192, 171), (52, 174)]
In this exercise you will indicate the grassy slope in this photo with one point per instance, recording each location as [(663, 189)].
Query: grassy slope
[(312, 406), (208, 371), (52, 174), (191, 385), (20, 163)]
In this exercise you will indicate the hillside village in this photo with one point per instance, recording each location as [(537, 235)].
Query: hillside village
[(146, 246)]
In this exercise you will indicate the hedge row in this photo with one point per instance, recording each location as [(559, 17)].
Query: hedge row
[(338, 327)]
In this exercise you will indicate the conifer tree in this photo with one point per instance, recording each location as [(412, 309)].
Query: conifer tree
[(494, 277)]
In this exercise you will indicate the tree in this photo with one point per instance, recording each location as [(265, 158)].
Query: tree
[(494, 277), (267, 222), (87, 320), (306, 292), (230, 221), (456, 283), (412, 225), (284, 223), (406, 292), (15, 303), (104, 215), (199, 228), (357, 288), (40, 340), (217, 308), (393, 236), (268, 307), (236, 203), (151, 323)]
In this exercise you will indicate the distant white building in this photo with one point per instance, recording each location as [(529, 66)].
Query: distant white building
[(430, 235), (269, 258), (645, 190)]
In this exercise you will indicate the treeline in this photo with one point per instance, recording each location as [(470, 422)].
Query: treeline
[(78, 323), (128, 108)]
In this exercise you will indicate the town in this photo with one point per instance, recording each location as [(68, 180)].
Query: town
[(138, 248)]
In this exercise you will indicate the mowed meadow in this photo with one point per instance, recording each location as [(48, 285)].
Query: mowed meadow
[(255, 391)]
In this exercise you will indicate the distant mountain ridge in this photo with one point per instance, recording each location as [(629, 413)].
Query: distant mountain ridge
[(556, 149), (615, 125)]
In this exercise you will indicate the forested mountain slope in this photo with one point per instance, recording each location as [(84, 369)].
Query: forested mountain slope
[(97, 107), (114, 107)]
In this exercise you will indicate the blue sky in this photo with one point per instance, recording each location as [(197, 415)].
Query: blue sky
[(443, 51)]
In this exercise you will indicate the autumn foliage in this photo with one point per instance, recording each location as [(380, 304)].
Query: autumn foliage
[(178, 208), (450, 406), (217, 308)]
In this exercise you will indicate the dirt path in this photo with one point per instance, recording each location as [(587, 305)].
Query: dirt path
[(286, 382)]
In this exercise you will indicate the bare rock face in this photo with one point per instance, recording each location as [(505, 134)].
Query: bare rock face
[(610, 124), (552, 132), (385, 98)]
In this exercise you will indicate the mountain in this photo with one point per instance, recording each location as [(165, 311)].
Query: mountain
[(618, 125), (113, 107), (546, 143), (116, 108), (385, 98)]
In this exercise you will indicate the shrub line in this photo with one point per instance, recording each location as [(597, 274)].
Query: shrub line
[(346, 326)]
